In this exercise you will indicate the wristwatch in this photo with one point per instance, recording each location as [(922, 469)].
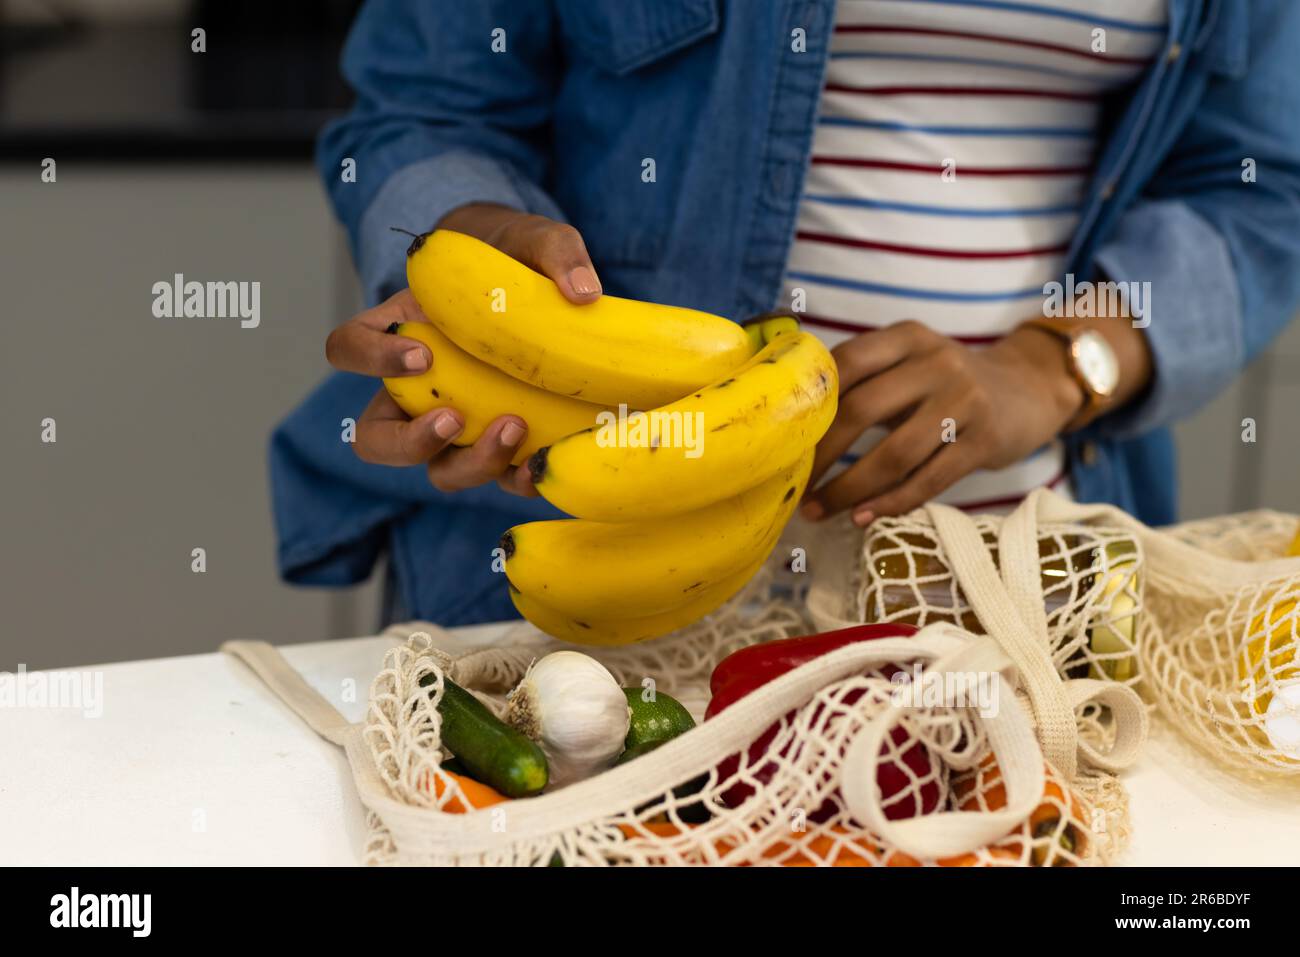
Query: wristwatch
[(1092, 362)]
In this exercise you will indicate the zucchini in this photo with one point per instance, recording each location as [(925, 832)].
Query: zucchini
[(492, 752), (453, 766)]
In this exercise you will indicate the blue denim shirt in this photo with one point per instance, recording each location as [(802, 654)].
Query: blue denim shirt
[(719, 95)]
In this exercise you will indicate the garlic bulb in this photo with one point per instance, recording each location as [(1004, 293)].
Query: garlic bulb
[(571, 705)]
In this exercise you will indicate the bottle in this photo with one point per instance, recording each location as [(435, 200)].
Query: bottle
[(1113, 639), (911, 582)]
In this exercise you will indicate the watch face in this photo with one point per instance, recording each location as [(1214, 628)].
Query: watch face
[(1096, 362)]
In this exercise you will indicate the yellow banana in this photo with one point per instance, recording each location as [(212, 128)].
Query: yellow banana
[(626, 630), (713, 444), (631, 569), (611, 351), (481, 393), (763, 331)]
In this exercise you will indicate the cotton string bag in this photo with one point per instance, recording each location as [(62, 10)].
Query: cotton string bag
[(811, 794), (1216, 645)]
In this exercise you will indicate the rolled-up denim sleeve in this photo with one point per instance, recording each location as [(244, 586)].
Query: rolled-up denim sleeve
[(453, 106), (417, 196), (1193, 311), (1220, 247)]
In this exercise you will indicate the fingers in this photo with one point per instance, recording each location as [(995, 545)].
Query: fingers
[(939, 473), (518, 480), (872, 403), (354, 347), (386, 437), (487, 460), (364, 345), (886, 465), (555, 250), (871, 353)]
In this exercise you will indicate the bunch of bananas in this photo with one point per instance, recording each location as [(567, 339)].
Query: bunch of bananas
[(676, 504)]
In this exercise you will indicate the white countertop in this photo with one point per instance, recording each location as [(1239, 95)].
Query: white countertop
[(193, 761)]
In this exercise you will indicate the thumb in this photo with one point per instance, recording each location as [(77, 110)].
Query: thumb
[(557, 251)]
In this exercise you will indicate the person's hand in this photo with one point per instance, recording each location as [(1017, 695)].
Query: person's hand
[(384, 434), (1003, 401)]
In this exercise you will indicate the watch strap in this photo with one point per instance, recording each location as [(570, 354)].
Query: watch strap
[(1068, 331)]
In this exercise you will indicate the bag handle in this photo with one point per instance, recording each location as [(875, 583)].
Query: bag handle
[(290, 687), (1011, 740), (1010, 607), (1129, 719), (1008, 599)]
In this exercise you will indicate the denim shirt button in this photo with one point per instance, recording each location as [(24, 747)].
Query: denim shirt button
[(1175, 51), (1108, 190), (1088, 454)]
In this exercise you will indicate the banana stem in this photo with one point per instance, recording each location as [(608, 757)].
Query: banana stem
[(417, 239)]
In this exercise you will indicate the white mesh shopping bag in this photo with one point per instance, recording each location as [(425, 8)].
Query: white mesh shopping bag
[(982, 795), (1202, 617)]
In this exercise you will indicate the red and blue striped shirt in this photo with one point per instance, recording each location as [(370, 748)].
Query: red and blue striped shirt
[(952, 152)]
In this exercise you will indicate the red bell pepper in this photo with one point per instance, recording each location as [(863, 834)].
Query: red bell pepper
[(749, 668)]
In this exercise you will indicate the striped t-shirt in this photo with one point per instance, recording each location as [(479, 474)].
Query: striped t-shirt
[(954, 144)]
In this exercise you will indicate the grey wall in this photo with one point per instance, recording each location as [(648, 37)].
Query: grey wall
[(162, 424), (1218, 471)]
